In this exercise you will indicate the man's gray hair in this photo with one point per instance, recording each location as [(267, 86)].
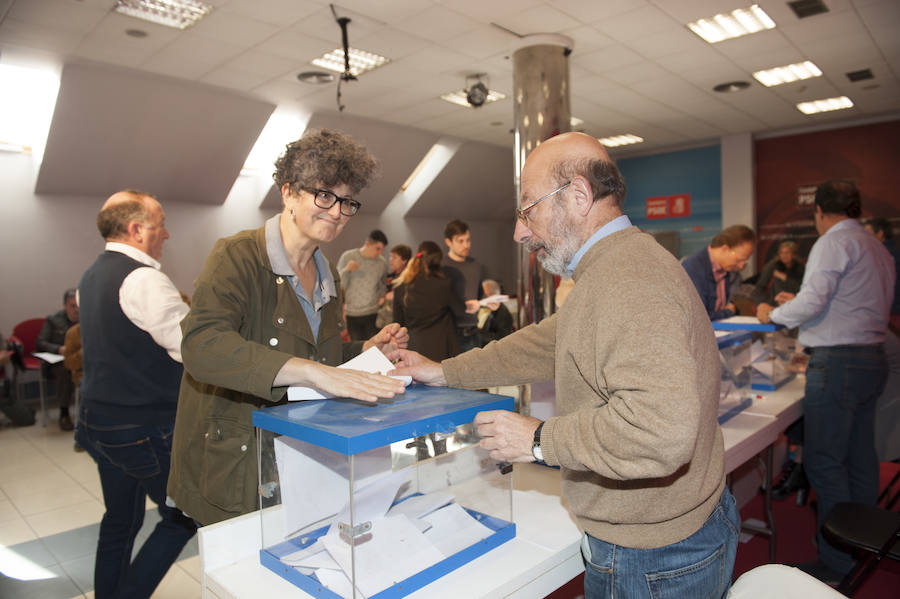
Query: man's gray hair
[(603, 175), (491, 286), (112, 221)]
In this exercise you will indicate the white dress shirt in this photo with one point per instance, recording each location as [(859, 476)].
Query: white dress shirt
[(151, 301), (847, 290)]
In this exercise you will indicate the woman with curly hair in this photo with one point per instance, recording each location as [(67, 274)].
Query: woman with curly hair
[(266, 314), (425, 303)]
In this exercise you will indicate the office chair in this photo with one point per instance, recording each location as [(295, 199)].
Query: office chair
[(871, 531), (26, 332)]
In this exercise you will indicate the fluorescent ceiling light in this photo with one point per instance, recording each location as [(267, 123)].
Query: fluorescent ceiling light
[(825, 105), (360, 61), (621, 140), (788, 73), (26, 114), (742, 21), (459, 97), (179, 14)]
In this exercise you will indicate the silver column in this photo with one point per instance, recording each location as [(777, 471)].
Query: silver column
[(541, 110)]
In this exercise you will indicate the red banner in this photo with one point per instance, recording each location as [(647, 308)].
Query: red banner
[(658, 207), (674, 206)]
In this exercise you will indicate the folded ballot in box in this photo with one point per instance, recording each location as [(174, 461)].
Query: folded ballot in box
[(735, 361), (378, 500), (771, 351)]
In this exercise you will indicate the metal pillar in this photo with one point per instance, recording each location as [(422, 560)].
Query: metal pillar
[(541, 110)]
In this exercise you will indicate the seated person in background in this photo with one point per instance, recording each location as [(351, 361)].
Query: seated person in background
[(425, 303), (72, 354), (52, 339), (17, 412), (785, 273), (715, 270), (399, 258), (494, 319)]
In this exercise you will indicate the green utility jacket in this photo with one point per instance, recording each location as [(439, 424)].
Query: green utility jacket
[(245, 323)]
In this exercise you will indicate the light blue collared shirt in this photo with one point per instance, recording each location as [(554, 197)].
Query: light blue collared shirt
[(616, 224), (847, 289), (324, 289)]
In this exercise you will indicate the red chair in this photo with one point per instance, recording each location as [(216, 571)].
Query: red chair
[(26, 332)]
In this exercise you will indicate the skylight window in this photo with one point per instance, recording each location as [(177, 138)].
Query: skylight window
[(26, 114)]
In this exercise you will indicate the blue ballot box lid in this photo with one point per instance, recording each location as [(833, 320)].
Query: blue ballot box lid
[(731, 338), (348, 426), (741, 324)]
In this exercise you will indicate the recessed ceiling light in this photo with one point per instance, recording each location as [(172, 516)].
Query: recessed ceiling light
[(620, 140), (179, 14), (731, 86), (788, 73), (825, 105), (315, 77), (360, 61), (461, 97), (742, 21)]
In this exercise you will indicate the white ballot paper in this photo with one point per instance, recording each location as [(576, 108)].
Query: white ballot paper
[(494, 299), (48, 357), (420, 505), (315, 482), (371, 360), (373, 499), (394, 551), (741, 320), (453, 529)]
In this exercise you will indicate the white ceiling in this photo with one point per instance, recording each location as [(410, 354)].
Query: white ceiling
[(635, 67)]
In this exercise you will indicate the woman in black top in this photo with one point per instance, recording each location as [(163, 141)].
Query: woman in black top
[(785, 273), (425, 304)]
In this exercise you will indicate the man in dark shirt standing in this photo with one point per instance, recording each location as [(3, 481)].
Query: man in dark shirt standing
[(466, 275), (131, 340), (52, 339)]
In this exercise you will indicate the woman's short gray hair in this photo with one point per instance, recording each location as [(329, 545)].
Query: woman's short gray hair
[(323, 157)]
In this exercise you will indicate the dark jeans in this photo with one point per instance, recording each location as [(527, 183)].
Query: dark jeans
[(699, 566), (362, 328), (65, 389), (133, 461), (842, 384)]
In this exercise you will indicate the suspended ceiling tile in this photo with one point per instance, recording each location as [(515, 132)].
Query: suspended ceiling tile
[(702, 57), (389, 12), (191, 57), (437, 23), (539, 19), (159, 134), (17, 34), (637, 23), (587, 39), (62, 15), (263, 64), (391, 42), (234, 28), (293, 44), (483, 42), (666, 43), (485, 12), (275, 12), (108, 42), (607, 59), (591, 11), (636, 73)]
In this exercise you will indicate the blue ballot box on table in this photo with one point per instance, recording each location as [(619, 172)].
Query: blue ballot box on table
[(351, 505), (771, 351)]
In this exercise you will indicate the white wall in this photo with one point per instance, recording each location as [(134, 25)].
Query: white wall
[(48, 241), (738, 190)]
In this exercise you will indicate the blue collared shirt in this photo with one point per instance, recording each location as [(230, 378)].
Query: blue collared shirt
[(616, 224), (846, 295), (324, 289)]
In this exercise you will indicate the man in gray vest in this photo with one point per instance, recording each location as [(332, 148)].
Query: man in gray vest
[(130, 314)]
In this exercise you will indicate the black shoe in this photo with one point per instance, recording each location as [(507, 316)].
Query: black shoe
[(65, 423), (819, 570), (793, 480)]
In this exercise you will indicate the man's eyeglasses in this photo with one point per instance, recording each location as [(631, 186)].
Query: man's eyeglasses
[(325, 199), (522, 213)]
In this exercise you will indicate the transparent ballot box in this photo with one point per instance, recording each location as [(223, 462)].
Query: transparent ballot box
[(771, 351), (735, 360), (377, 500)]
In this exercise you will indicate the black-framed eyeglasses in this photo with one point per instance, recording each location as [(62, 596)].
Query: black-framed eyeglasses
[(522, 213), (325, 199)]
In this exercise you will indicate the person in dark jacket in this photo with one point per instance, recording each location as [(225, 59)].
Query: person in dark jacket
[(715, 270), (494, 319), (424, 302), (783, 273), (52, 339)]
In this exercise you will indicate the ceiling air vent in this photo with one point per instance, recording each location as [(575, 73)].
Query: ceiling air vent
[(807, 8), (860, 75)]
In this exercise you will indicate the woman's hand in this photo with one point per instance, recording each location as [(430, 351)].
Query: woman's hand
[(391, 337), (344, 382), (423, 370)]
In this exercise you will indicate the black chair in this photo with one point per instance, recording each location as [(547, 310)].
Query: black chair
[(872, 533)]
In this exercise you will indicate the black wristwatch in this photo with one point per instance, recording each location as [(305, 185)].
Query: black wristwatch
[(536, 445)]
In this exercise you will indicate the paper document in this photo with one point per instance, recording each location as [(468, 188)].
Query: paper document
[(395, 551), (420, 505), (48, 357), (453, 529), (741, 320), (372, 501), (371, 360), (315, 482), (494, 299)]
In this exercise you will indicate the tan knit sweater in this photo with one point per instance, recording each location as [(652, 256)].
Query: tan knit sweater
[(637, 388)]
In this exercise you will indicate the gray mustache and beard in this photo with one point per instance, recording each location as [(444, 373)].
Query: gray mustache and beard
[(560, 245)]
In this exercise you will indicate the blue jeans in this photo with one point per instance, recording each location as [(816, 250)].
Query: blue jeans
[(842, 385), (698, 567), (133, 461)]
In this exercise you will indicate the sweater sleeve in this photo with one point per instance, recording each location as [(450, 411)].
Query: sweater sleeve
[(526, 356)]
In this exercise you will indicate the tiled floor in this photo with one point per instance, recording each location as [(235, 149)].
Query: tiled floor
[(50, 509)]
